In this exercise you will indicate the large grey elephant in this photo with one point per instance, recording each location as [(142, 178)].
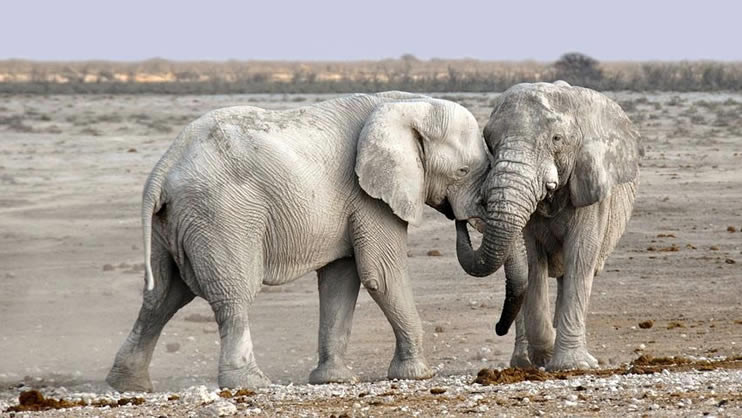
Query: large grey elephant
[(564, 175), (246, 197)]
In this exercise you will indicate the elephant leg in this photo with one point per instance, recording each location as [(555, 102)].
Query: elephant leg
[(582, 250), (559, 298), (380, 248), (237, 365), (230, 274), (130, 368), (399, 308), (338, 291), (538, 325), (520, 357)]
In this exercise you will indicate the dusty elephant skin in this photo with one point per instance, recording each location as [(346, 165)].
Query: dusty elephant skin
[(247, 197), (564, 174)]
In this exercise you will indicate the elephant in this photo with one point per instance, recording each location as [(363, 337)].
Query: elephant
[(246, 197), (563, 178)]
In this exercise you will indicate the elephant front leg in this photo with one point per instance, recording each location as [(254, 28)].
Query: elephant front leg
[(538, 324), (581, 256), (570, 348), (380, 248), (395, 299), (520, 357), (338, 292)]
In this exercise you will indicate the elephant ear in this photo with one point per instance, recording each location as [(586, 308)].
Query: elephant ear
[(610, 151), (389, 159)]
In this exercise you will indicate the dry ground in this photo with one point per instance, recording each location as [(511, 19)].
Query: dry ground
[(71, 173)]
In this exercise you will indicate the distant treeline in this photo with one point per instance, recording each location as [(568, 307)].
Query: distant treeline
[(408, 73)]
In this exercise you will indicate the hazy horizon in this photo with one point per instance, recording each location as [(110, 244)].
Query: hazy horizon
[(341, 31)]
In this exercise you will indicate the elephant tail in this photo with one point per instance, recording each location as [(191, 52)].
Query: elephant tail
[(153, 198)]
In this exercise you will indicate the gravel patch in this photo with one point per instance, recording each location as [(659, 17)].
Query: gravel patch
[(713, 393)]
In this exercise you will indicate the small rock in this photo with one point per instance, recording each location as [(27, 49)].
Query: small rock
[(437, 391), (131, 150), (714, 248), (219, 408), (439, 329), (646, 324), (108, 267), (729, 261), (434, 253), (172, 347), (199, 395), (731, 229)]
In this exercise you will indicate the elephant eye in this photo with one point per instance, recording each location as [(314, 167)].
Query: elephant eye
[(556, 138), (462, 172)]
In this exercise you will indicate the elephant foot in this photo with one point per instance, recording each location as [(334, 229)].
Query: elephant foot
[(124, 381), (540, 356), (244, 378), (578, 358), (410, 369), (332, 372), (520, 358)]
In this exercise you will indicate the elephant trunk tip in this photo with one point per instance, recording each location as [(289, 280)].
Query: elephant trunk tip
[(502, 328)]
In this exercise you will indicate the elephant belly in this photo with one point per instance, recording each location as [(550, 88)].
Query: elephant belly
[(287, 260), (304, 239)]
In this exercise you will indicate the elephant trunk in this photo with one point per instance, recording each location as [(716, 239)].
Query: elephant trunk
[(512, 197), (508, 210), (516, 276)]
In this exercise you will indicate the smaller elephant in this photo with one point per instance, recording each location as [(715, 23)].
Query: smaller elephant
[(564, 174), (247, 197)]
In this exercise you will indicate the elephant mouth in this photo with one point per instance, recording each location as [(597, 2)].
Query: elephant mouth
[(478, 223), (445, 208)]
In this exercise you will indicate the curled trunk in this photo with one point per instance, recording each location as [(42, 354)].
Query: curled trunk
[(512, 198)]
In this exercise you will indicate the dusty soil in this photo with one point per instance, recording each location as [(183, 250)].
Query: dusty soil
[(71, 173)]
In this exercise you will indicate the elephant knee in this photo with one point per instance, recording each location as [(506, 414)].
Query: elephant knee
[(372, 282)]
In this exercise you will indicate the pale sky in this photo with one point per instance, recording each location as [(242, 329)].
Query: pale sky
[(370, 29)]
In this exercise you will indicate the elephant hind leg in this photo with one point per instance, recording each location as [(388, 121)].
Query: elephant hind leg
[(229, 276), (130, 371)]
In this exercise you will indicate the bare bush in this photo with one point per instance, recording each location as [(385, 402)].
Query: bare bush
[(577, 68)]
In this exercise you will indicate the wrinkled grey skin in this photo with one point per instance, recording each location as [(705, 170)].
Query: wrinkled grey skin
[(564, 174), (248, 197)]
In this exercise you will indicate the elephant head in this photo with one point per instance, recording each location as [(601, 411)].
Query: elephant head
[(423, 150), (552, 145)]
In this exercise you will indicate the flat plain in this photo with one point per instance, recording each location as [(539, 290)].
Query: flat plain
[(71, 265)]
